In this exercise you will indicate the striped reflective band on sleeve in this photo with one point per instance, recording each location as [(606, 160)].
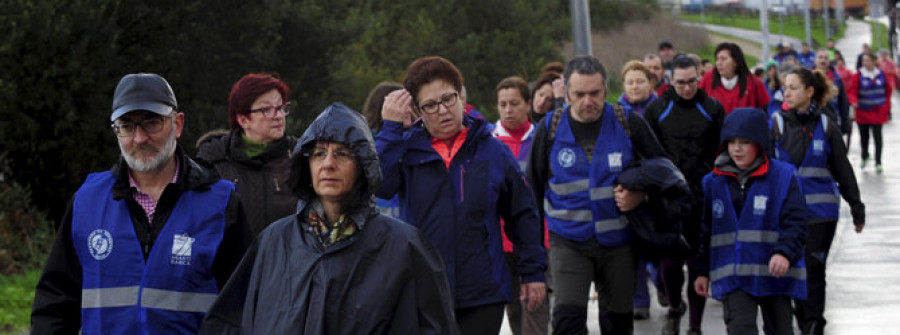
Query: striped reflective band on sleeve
[(177, 301), (757, 270), (755, 236), (813, 172), (151, 298), (603, 226), (603, 192), (822, 198), (581, 215), (109, 297)]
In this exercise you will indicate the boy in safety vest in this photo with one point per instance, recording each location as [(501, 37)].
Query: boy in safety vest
[(754, 230)]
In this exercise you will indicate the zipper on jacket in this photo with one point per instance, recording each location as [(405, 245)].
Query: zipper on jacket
[(462, 183), (145, 241), (275, 180)]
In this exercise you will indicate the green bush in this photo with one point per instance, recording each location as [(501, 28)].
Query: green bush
[(16, 295), (25, 233)]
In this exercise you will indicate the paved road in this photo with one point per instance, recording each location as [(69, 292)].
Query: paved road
[(863, 269)]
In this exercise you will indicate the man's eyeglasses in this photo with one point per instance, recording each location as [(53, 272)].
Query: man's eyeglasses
[(684, 83), (448, 100), (340, 156), (150, 125), (272, 110)]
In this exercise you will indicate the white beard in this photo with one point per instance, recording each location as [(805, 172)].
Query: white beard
[(156, 163)]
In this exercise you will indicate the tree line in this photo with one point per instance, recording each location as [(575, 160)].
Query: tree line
[(61, 59)]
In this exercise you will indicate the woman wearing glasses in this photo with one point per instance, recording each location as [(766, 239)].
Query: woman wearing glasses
[(336, 266), (455, 183), (255, 154)]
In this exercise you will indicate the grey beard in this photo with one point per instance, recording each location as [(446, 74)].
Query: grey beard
[(154, 164)]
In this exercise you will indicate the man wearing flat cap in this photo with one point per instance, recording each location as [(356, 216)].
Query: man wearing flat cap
[(145, 247)]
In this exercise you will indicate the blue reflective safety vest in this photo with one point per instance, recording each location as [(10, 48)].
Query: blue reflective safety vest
[(579, 202), (171, 292), (741, 245), (871, 92), (823, 199)]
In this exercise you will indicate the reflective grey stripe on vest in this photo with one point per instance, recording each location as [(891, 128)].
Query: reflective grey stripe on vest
[(813, 172), (603, 192), (870, 102), (822, 198), (580, 185), (580, 215), (177, 301), (756, 270), (872, 91), (109, 297), (522, 166), (755, 236), (603, 226)]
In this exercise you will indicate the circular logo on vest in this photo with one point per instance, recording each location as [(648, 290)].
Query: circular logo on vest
[(100, 243), (718, 209), (565, 157)]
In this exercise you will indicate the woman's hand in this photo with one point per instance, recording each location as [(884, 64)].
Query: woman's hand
[(559, 88), (627, 200), (398, 107), (779, 265), (533, 294), (701, 286)]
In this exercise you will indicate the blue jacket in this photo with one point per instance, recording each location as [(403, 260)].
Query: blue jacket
[(459, 208), (579, 203), (808, 60), (170, 292), (639, 107), (751, 215)]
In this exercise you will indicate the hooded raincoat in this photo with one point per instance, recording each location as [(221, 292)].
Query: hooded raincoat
[(384, 279)]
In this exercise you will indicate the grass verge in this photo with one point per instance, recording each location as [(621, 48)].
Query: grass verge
[(16, 296), (793, 25), (882, 33)]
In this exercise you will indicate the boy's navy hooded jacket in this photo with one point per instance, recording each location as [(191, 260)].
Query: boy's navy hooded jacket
[(738, 253), (459, 208)]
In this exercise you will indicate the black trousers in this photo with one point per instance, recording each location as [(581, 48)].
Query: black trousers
[(810, 313), (741, 310), (480, 320), (864, 140)]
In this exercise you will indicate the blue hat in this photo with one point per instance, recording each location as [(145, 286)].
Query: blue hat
[(143, 91), (749, 123)]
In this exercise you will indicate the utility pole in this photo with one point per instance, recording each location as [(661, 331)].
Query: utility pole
[(703, 12), (806, 24), (839, 13), (825, 10), (764, 25), (581, 27), (781, 23), (875, 12)]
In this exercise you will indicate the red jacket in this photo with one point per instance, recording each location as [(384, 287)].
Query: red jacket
[(754, 96), (880, 114)]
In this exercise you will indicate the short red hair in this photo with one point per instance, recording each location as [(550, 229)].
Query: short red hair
[(427, 69), (245, 91)]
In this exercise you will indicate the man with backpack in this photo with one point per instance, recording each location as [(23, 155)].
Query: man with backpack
[(575, 158)]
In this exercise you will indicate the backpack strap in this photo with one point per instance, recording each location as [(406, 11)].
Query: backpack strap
[(622, 117), (554, 123)]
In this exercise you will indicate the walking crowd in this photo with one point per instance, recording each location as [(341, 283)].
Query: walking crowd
[(418, 216)]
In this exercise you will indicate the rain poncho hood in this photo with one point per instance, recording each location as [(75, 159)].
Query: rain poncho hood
[(337, 123)]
